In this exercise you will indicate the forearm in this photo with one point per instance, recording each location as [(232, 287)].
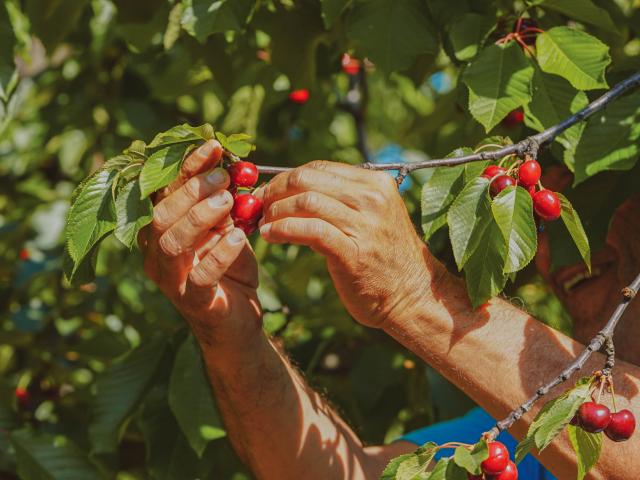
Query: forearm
[(279, 426), (500, 356)]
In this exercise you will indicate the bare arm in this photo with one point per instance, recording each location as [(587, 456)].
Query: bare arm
[(388, 279), (279, 426)]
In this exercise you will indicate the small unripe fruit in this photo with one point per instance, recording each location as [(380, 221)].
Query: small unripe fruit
[(594, 417), (243, 174), (513, 119), (529, 173), (500, 183), (492, 171), (246, 209), (622, 426), (299, 96), (546, 204), (497, 461), (509, 473)]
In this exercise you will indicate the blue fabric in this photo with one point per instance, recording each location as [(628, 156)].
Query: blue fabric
[(468, 429)]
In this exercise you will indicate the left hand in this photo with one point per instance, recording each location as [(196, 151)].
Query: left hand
[(357, 219)]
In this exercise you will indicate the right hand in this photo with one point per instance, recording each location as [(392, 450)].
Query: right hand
[(197, 258)]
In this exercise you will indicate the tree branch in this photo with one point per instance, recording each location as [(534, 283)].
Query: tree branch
[(529, 145), (604, 337)]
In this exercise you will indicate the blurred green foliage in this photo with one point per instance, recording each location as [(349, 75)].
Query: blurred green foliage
[(94, 381)]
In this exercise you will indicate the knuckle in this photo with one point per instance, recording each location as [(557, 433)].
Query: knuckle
[(386, 181), (198, 277), (298, 179), (161, 217), (169, 245), (316, 229), (309, 202), (318, 164), (196, 217), (375, 197), (191, 189)]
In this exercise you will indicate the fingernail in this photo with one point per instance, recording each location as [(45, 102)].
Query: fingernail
[(217, 176), (264, 229), (236, 236), (205, 149), (219, 199)]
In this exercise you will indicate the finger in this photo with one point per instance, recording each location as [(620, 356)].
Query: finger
[(176, 205), (209, 241), (184, 235), (206, 157), (312, 205), (350, 172), (206, 275), (317, 234)]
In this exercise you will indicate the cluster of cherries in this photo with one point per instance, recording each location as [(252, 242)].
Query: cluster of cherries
[(498, 466), (593, 417), (247, 208), (546, 203)]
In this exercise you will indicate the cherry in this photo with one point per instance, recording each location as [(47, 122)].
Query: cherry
[(243, 174), (492, 171), (621, 427), (529, 173), (594, 417), (513, 119), (23, 397), (299, 96), (247, 227), (510, 473), (497, 461), (350, 65), (246, 209), (546, 204), (24, 254), (500, 183)]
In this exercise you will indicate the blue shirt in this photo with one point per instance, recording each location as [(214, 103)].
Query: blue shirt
[(468, 429)]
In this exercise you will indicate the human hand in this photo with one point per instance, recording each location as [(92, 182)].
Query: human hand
[(197, 258), (357, 219)]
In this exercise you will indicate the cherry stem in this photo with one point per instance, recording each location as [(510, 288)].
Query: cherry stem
[(613, 395), (479, 149)]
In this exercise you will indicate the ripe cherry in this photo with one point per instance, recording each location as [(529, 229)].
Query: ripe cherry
[(243, 174), (622, 426), (500, 183), (246, 209), (24, 254), (497, 461), (513, 119), (546, 204), (23, 397), (247, 227), (510, 473), (594, 417), (299, 96), (350, 65), (529, 173), (492, 171)]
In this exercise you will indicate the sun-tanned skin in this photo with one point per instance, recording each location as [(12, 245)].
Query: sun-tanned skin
[(387, 279)]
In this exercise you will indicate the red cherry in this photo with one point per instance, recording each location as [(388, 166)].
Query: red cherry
[(509, 473), (350, 65), (497, 461), (23, 254), (513, 119), (492, 171), (247, 227), (622, 426), (529, 173), (299, 96), (500, 183), (594, 417), (243, 174), (23, 397), (546, 204), (246, 208)]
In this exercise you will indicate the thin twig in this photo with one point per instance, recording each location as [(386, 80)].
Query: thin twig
[(529, 145), (603, 337)]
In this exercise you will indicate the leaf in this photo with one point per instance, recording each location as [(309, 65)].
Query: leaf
[(574, 55), (587, 447), (91, 216), (513, 211), (499, 81), (468, 32), (237, 143), (484, 269), (81, 272), (7, 49), (407, 466), (196, 411), (379, 29), (160, 169), (584, 11), (391, 469), (332, 9), (118, 391), (172, 32), (463, 217), (524, 448), (576, 230), (470, 460), (202, 18), (184, 133), (132, 213), (51, 24), (48, 457), (438, 195), (610, 140), (446, 469)]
